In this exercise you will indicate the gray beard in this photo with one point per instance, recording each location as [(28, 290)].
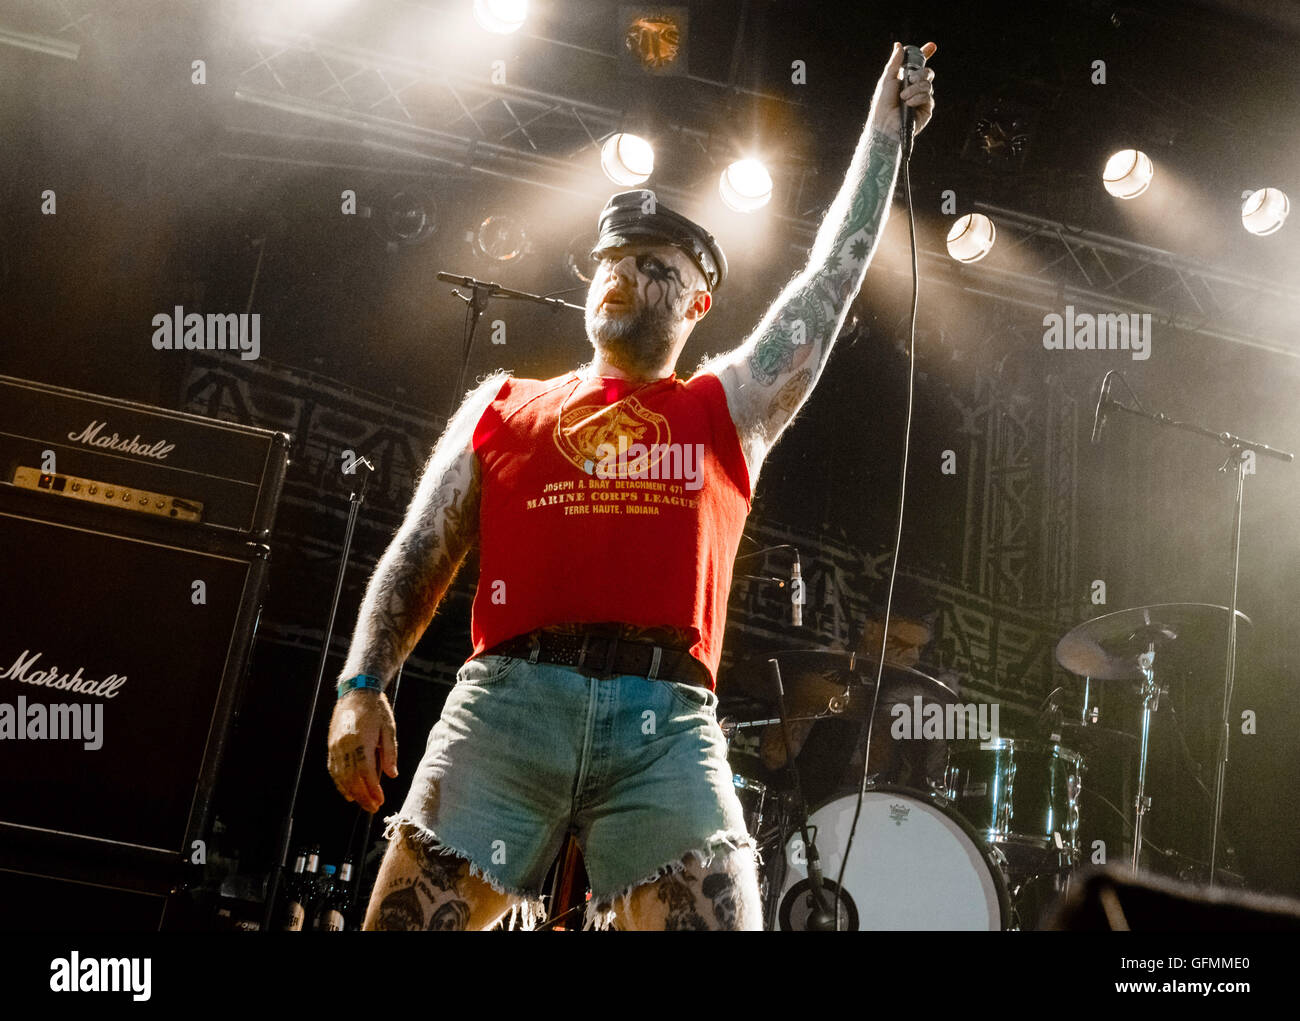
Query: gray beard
[(638, 344)]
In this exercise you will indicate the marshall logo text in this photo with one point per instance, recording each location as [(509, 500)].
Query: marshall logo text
[(24, 672), (92, 438)]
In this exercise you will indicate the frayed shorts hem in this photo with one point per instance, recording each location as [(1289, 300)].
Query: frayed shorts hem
[(602, 910), (527, 910)]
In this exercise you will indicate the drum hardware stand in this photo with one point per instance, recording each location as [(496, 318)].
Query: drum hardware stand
[(1237, 448), (819, 919), (568, 889), (1050, 717), (774, 847), (1150, 703)]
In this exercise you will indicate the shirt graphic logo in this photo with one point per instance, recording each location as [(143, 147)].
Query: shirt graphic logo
[(585, 435)]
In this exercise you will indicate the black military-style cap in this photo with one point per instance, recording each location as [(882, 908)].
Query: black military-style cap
[(638, 217)]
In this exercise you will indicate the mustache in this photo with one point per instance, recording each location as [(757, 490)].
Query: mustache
[(642, 340)]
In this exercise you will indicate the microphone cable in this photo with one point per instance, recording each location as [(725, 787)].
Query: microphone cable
[(898, 531)]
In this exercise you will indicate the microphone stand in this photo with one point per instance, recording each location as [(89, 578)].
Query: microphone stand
[(819, 919), (477, 302), (1237, 447), (286, 830)]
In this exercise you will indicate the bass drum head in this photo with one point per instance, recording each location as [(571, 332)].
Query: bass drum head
[(914, 865)]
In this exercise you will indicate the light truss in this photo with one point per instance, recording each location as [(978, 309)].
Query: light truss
[(1063, 264), (398, 109)]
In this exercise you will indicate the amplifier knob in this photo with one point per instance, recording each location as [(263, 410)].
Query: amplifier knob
[(93, 489), (108, 494)]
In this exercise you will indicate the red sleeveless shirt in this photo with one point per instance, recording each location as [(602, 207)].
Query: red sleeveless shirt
[(608, 500)]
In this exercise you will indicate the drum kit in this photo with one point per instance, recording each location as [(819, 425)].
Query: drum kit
[(990, 843)]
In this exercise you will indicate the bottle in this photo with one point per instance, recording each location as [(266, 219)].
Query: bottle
[(294, 910), (310, 885), (334, 910), (325, 898)]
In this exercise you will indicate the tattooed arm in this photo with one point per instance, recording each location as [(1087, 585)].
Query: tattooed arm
[(768, 378), (401, 597)]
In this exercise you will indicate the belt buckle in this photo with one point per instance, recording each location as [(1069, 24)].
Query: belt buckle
[(534, 647), (582, 652)]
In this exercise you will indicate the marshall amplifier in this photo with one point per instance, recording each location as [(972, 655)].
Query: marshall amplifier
[(148, 462), (124, 627)]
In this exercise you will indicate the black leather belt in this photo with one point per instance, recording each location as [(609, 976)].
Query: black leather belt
[(606, 656)]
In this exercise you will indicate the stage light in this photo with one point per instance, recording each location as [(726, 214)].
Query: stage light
[(1128, 173), (410, 218), (502, 238), (745, 186), (578, 262), (971, 237), (1265, 211), (501, 16), (627, 159)]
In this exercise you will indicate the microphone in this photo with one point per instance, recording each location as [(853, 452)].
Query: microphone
[(796, 592), (1099, 417), (453, 278), (913, 65)]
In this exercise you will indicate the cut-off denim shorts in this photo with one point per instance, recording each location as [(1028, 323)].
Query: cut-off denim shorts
[(525, 754)]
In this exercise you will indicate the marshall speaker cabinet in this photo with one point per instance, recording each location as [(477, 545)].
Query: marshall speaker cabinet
[(134, 546)]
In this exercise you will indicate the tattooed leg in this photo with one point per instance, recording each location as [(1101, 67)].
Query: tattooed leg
[(418, 888), (723, 896)]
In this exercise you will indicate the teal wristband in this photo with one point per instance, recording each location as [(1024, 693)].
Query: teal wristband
[(360, 681)]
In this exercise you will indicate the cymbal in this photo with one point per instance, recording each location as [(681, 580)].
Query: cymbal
[(803, 669), (1107, 648)]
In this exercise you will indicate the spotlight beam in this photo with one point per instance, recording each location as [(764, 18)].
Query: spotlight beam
[(49, 45)]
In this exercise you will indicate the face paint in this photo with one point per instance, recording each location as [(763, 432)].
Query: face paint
[(661, 276), (635, 339)]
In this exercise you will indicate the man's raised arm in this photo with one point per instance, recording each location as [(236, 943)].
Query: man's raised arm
[(769, 376)]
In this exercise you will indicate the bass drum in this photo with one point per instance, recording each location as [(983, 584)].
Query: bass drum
[(915, 865)]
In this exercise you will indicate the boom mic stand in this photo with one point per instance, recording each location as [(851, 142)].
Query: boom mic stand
[(1237, 448), (476, 304), (820, 919), (286, 830)]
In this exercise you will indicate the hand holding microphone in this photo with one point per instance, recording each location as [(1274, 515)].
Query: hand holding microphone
[(903, 109)]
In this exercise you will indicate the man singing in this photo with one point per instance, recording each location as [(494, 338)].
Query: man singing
[(608, 506)]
